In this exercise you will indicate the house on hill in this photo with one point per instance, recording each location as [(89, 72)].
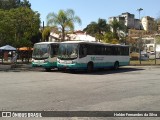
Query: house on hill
[(77, 35)]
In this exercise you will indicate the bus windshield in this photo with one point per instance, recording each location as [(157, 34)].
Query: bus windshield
[(40, 51), (68, 51)]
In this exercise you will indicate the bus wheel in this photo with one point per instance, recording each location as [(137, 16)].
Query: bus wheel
[(48, 69), (116, 65), (90, 67)]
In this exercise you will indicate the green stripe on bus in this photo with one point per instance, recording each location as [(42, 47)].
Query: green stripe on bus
[(96, 65), (49, 64)]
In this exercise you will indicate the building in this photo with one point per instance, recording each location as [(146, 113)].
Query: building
[(137, 24), (149, 24), (140, 32), (129, 20), (118, 18)]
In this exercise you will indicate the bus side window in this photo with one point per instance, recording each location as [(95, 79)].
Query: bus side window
[(82, 51)]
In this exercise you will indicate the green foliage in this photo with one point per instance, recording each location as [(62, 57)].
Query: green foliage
[(158, 21), (157, 38), (117, 26), (17, 25), (101, 31), (97, 29), (10, 4), (91, 29), (46, 33), (22, 43), (25, 3), (64, 20), (98, 36), (36, 38), (108, 38)]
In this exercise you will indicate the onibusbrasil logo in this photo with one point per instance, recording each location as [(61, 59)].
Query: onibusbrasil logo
[(93, 58)]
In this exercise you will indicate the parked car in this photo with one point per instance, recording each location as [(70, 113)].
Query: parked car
[(144, 56), (136, 56), (152, 53)]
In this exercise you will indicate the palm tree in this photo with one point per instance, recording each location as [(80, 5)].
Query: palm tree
[(117, 26), (46, 33), (91, 29), (64, 20), (97, 29)]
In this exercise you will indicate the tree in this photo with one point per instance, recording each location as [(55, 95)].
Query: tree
[(97, 29), (116, 27), (36, 38), (157, 39), (46, 33), (18, 25), (107, 37), (91, 29), (9, 4), (12, 4), (64, 20), (6, 34), (25, 18), (25, 3)]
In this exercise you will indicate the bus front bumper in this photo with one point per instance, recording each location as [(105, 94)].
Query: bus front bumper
[(71, 66), (49, 65)]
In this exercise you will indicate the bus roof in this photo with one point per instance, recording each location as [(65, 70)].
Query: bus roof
[(46, 42), (98, 43)]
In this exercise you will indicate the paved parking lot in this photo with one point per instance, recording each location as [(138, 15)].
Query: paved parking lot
[(128, 89)]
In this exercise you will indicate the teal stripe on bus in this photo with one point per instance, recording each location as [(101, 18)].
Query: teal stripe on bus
[(49, 65), (96, 65)]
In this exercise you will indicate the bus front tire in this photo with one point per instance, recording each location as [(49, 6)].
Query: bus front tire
[(89, 67)]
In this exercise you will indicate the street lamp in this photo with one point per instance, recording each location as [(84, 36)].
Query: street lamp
[(156, 39), (155, 47), (139, 10)]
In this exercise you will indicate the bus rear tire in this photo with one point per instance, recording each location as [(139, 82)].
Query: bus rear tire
[(90, 67), (116, 65)]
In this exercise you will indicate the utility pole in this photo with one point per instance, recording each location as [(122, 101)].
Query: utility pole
[(155, 45), (156, 36), (139, 10), (43, 25)]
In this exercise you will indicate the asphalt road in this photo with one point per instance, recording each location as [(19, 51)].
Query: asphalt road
[(128, 89)]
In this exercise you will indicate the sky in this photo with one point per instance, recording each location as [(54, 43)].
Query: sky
[(92, 10)]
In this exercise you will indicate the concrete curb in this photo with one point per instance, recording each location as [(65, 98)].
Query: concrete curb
[(5, 67)]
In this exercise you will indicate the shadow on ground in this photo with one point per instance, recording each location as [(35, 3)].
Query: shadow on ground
[(83, 72), (101, 71)]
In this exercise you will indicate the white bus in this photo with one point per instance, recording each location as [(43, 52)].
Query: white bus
[(45, 55), (77, 55)]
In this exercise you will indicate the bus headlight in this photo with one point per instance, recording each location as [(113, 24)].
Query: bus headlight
[(58, 60), (32, 60)]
